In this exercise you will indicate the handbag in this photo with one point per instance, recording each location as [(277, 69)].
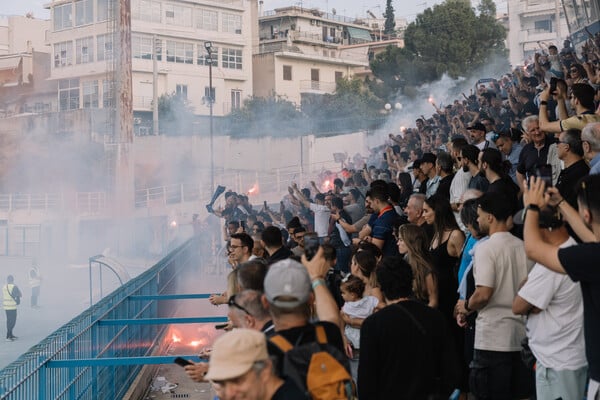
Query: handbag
[(527, 355)]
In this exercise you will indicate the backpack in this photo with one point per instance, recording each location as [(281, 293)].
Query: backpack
[(319, 368)]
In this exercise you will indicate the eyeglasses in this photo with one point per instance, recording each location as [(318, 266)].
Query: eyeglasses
[(574, 70), (234, 246), (231, 303)]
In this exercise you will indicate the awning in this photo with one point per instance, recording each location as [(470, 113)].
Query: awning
[(357, 33), (9, 63)]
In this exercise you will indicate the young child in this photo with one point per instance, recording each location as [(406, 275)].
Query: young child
[(355, 309)]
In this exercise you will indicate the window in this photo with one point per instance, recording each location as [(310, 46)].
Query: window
[(25, 240), (207, 94), (544, 25), (314, 78), (63, 16), (63, 54), (105, 10), (180, 52), (108, 93), (339, 76), (105, 47), (232, 23), (178, 15), (141, 47), (287, 72), (181, 91), (84, 50), (84, 12), (202, 58), (232, 58), (236, 99), (68, 94), (146, 10), (90, 94), (207, 20)]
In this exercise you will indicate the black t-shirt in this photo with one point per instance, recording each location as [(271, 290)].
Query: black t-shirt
[(479, 182), (305, 334), (444, 186), (289, 391), (581, 264), (508, 188), (404, 351), (567, 180), (531, 158)]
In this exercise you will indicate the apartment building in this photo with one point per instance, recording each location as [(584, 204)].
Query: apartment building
[(174, 32), (531, 23), (303, 52)]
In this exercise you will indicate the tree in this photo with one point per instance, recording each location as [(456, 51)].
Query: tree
[(390, 20), (175, 115), (450, 38), (261, 116)]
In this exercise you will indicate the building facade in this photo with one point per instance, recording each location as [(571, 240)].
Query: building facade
[(531, 23), (172, 32), (303, 52)]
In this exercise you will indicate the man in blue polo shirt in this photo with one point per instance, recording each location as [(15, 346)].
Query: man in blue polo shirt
[(383, 221)]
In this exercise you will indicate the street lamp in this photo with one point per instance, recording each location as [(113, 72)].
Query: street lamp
[(208, 47)]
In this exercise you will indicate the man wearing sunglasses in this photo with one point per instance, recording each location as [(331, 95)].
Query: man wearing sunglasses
[(246, 310)]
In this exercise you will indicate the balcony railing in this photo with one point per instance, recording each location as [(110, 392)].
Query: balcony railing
[(317, 86)]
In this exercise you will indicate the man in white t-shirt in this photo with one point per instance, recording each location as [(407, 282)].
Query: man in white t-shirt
[(321, 211), (554, 307), (499, 265)]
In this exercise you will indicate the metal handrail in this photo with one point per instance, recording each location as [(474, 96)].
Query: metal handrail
[(63, 366)]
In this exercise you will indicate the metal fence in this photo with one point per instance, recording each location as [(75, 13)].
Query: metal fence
[(99, 353)]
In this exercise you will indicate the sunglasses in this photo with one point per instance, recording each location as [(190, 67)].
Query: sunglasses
[(231, 303)]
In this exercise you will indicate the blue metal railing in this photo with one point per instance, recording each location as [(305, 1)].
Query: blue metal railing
[(99, 353)]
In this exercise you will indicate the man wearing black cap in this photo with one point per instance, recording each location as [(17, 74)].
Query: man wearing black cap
[(428, 168), (477, 133)]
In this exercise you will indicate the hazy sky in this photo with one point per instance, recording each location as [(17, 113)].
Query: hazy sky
[(350, 8)]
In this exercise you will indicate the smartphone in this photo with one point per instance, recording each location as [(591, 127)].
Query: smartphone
[(311, 245), (182, 362), (243, 225), (265, 204), (545, 172), (553, 82), (221, 326)]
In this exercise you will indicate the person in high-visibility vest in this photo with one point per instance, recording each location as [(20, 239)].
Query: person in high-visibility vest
[(11, 299)]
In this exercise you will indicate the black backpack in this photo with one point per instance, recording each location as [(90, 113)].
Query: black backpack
[(318, 367)]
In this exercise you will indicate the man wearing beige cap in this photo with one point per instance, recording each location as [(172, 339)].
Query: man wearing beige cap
[(240, 368)]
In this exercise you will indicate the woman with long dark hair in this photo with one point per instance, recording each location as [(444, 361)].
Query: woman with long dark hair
[(406, 188), (496, 172), (445, 247)]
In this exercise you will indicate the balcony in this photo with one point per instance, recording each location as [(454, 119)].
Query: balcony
[(317, 87), (142, 103)]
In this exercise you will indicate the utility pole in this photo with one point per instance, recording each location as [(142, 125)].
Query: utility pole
[(156, 45)]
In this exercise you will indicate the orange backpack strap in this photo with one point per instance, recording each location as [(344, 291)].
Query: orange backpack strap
[(281, 342), (320, 334)]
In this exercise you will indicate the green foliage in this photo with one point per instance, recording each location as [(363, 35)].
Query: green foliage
[(390, 20), (261, 116), (351, 99), (175, 115), (450, 38)]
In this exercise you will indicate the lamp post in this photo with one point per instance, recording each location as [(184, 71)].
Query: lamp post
[(208, 47)]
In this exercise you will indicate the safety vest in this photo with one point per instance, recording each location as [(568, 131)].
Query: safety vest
[(8, 302)]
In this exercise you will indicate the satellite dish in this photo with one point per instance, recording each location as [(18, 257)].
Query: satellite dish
[(333, 11)]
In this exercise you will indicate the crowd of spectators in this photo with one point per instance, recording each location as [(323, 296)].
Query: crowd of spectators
[(458, 257)]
